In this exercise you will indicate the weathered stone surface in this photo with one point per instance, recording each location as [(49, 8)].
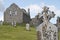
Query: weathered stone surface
[(28, 27), (14, 23), (38, 35), (47, 30), (1, 22)]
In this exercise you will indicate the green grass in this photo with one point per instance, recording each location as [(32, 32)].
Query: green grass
[(8, 32), (16, 33)]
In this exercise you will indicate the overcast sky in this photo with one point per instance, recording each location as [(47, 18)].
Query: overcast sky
[(34, 5)]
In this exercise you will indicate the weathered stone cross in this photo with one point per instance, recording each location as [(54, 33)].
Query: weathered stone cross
[(46, 30)]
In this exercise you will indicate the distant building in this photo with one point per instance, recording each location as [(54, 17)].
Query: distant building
[(14, 13), (36, 21)]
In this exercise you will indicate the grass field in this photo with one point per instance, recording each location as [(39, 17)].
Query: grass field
[(17, 33)]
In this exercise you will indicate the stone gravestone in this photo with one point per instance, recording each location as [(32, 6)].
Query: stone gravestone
[(46, 30), (14, 23), (28, 27), (1, 22)]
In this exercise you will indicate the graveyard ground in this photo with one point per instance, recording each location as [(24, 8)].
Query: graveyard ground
[(8, 32)]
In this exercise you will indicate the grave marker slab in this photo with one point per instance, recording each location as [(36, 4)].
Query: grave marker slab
[(14, 23), (27, 26)]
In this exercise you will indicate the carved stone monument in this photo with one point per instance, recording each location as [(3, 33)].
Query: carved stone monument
[(1, 22), (46, 30), (14, 23), (27, 26)]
